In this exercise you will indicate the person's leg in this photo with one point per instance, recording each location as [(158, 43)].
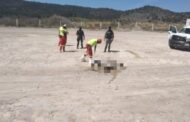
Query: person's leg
[(81, 43), (89, 51), (60, 49), (60, 39), (64, 48), (61, 43), (106, 46), (90, 55), (109, 45), (64, 43), (78, 43)]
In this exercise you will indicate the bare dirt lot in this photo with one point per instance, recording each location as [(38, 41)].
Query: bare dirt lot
[(39, 84)]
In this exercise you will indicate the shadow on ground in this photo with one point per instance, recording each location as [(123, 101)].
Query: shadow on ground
[(133, 53), (70, 45), (114, 51), (71, 51)]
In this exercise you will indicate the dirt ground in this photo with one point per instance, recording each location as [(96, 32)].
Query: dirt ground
[(39, 84)]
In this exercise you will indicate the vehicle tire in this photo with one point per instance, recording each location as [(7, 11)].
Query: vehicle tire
[(171, 45)]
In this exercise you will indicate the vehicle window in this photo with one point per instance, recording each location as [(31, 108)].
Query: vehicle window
[(182, 30), (173, 29), (187, 30)]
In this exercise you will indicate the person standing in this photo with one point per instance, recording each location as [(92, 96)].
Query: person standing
[(62, 38), (109, 36), (80, 37)]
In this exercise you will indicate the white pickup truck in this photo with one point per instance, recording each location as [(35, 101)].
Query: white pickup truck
[(179, 39)]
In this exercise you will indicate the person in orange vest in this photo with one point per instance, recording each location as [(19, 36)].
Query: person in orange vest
[(91, 43), (62, 37)]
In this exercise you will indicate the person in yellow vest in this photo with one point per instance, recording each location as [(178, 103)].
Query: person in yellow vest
[(91, 43), (62, 37)]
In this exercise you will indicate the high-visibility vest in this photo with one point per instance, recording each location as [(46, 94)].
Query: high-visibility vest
[(65, 31), (61, 31), (92, 42)]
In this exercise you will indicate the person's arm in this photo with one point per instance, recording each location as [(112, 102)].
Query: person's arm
[(94, 48)]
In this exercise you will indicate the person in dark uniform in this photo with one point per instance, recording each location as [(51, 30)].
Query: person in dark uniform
[(80, 37), (109, 36)]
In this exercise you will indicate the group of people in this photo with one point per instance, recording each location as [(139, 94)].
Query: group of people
[(108, 38)]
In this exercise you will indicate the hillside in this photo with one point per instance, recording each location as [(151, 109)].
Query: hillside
[(52, 15), (22, 8), (151, 13), (33, 9)]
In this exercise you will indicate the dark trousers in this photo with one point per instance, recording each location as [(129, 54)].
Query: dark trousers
[(108, 45), (79, 40)]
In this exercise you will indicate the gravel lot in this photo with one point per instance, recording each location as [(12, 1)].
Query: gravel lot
[(39, 84)]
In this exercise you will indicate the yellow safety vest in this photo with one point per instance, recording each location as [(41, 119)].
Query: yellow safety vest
[(92, 42), (61, 31)]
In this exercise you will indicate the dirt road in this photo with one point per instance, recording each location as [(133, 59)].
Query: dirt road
[(39, 84)]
